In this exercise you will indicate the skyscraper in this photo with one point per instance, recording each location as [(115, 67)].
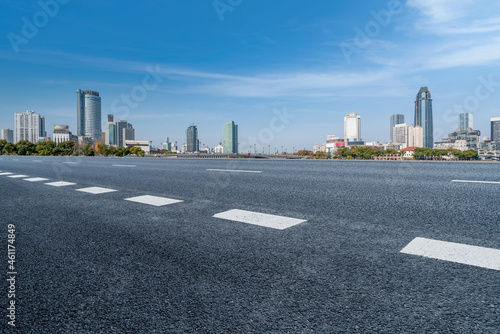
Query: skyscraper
[(465, 121), (8, 135), (29, 126), (117, 132), (423, 115), (88, 114), (395, 120), (230, 138), (495, 129), (352, 127), (193, 144)]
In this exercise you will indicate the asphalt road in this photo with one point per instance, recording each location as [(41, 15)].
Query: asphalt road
[(97, 263)]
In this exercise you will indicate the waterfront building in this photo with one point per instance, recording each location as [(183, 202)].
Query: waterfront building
[(423, 116), (88, 114), (117, 132), (219, 148), (193, 144), (29, 126), (465, 121), (395, 120), (166, 145), (352, 127), (461, 140), (230, 138), (143, 144), (8, 135)]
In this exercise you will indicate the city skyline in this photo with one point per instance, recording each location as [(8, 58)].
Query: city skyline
[(308, 65)]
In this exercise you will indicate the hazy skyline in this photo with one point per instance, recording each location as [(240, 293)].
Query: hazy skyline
[(317, 60)]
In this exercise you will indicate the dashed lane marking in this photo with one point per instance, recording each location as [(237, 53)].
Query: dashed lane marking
[(453, 252), (60, 184), (125, 166), (260, 219), (6, 173), (153, 200), (17, 176), (235, 170), (469, 181), (96, 190), (35, 179)]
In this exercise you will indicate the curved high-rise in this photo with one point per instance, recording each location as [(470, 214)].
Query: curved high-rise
[(423, 115), (88, 113)]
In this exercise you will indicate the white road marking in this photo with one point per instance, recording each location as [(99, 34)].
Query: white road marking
[(235, 170), (69, 162), (124, 166), (96, 190), (35, 179), (467, 181), (17, 176), (37, 160), (459, 253), (261, 219), (60, 184), (6, 173), (153, 200)]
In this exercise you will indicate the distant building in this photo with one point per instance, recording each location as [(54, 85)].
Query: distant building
[(62, 134), (166, 145), (88, 114), (219, 148), (230, 138), (8, 135), (465, 121), (193, 144), (408, 136), (461, 140), (333, 143), (29, 126), (395, 120), (143, 144), (495, 129), (117, 132), (352, 127), (490, 146), (423, 115)]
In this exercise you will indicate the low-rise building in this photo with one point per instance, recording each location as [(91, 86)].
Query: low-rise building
[(143, 144)]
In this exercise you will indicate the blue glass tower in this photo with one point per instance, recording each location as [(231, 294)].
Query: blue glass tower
[(88, 114), (423, 115)]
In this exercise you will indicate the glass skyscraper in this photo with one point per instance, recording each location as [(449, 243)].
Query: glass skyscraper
[(465, 121), (193, 144), (230, 138), (88, 114), (423, 115), (395, 120)]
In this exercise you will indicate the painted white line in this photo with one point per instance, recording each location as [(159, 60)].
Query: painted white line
[(6, 173), (467, 181), (459, 253), (124, 166), (261, 219), (17, 176), (96, 190), (35, 179), (69, 162), (37, 160), (235, 170), (60, 184), (153, 200)]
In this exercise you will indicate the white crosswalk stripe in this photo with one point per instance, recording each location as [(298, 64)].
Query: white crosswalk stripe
[(153, 200), (260, 219)]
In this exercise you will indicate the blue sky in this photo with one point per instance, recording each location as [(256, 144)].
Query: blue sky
[(249, 61)]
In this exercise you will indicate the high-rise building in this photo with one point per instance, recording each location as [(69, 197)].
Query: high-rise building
[(352, 127), (8, 135), (117, 132), (29, 126), (88, 114), (408, 135), (166, 145), (193, 144), (400, 134), (230, 138), (395, 120), (465, 121), (495, 129), (423, 115)]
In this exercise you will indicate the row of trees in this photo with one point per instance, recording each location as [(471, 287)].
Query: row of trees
[(433, 154), (49, 148)]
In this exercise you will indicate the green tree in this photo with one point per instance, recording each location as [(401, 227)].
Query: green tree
[(2, 145), (87, 150), (9, 148), (137, 151), (45, 148), (122, 151), (24, 147), (66, 148)]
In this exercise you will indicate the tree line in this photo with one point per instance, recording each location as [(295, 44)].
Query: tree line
[(68, 148)]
